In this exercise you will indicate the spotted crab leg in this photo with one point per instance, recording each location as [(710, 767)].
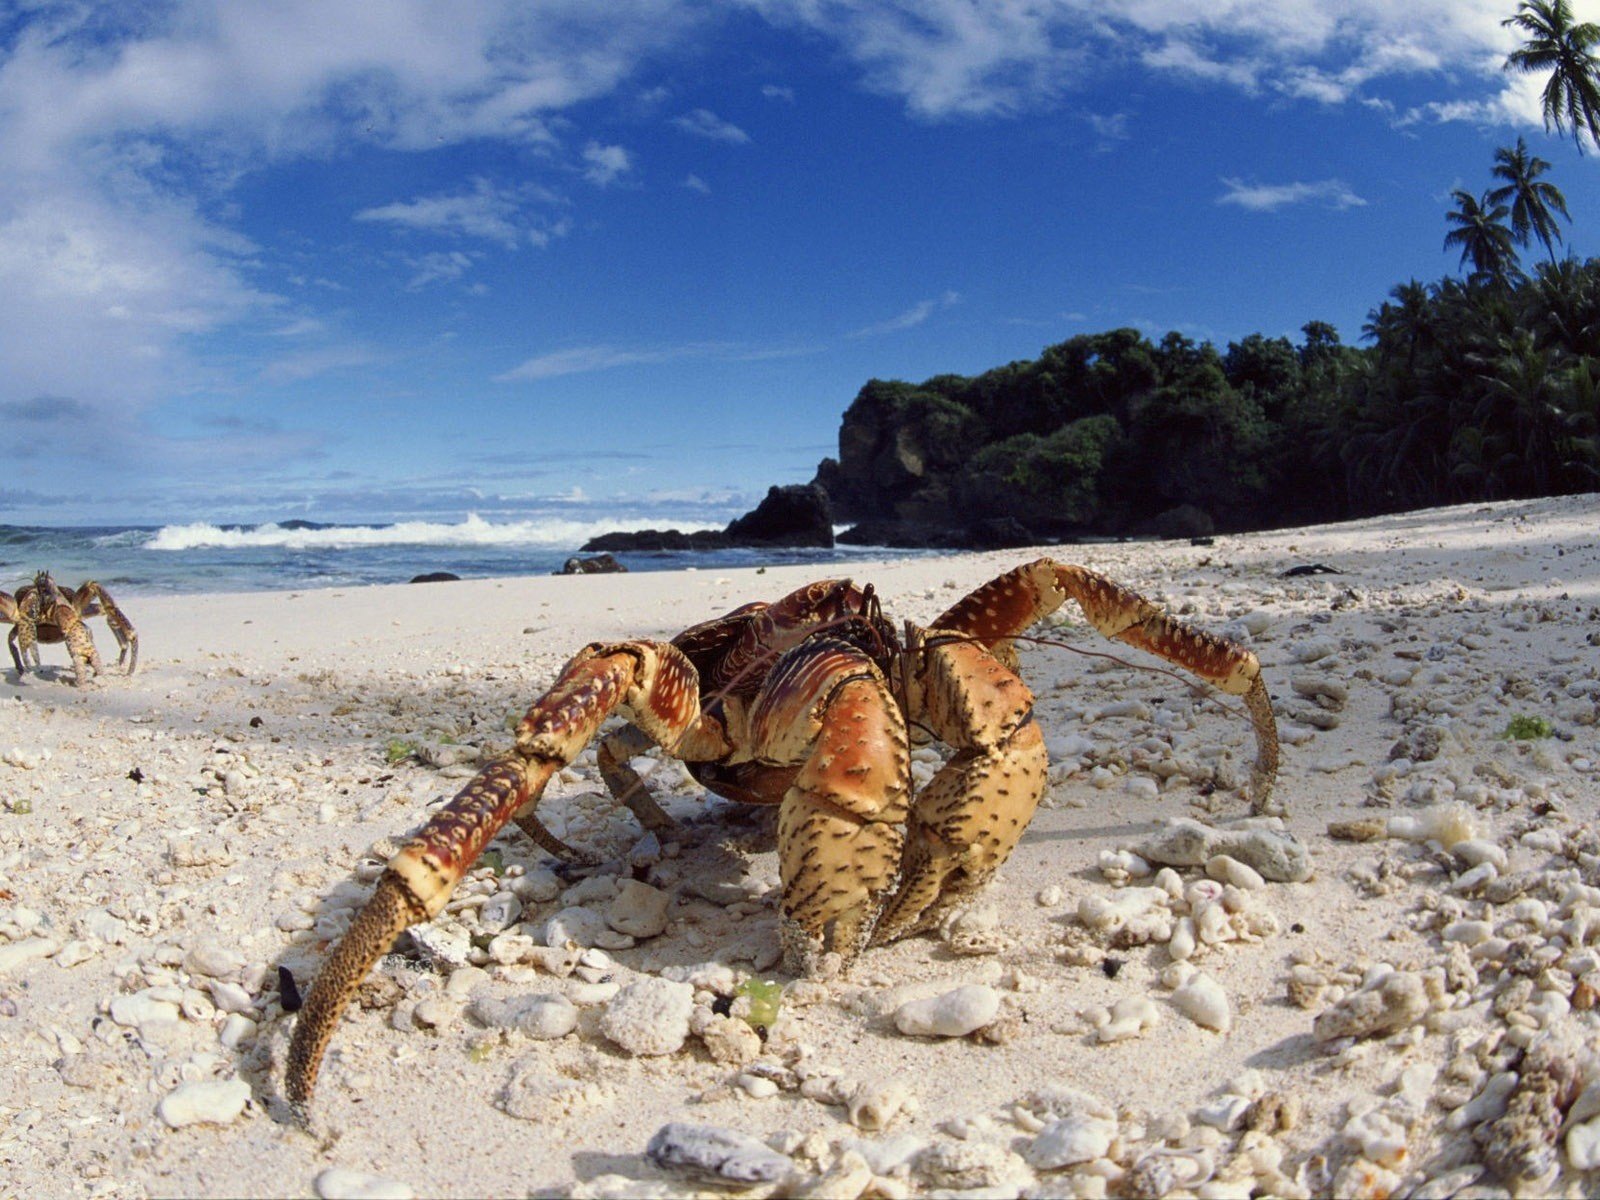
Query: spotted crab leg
[(83, 601), (1007, 605), (970, 816), (11, 615), (654, 685)]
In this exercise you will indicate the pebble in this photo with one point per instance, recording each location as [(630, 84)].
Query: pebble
[(1079, 1138), (208, 1102), (341, 1183), (142, 1010), (638, 910), (716, 1155), (580, 926), (649, 1016), (14, 954), (544, 1016), (1583, 1145), (213, 960), (1204, 1002), (1386, 1005), (1272, 852), (953, 1014)]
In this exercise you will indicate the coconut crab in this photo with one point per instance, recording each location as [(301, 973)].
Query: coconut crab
[(810, 703), (47, 611)]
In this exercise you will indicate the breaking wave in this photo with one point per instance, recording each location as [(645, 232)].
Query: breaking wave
[(549, 532)]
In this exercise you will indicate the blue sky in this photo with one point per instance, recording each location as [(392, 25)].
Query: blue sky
[(345, 261)]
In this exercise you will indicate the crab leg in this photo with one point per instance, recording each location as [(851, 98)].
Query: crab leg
[(83, 602), (75, 632), (968, 819), (653, 684), (1007, 605), (11, 615), (826, 707)]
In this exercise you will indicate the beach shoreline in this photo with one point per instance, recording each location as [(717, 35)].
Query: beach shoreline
[(169, 840)]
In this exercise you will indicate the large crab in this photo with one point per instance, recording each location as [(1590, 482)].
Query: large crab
[(810, 703), (47, 611)]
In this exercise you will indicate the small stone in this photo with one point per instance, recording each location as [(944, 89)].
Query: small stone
[(1204, 1002), (649, 1016), (1075, 1139), (638, 910), (213, 960), (14, 954), (1387, 1005), (341, 1183), (208, 1102), (142, 1010), (953, 1014), (716, 1155), (545, 1016)]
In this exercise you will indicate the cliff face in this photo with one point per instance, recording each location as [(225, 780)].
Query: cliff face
[(1104, 434)]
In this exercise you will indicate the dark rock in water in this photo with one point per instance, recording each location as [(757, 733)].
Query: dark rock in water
[(657, 540), (797, 515), (1309, 569), (600, 564), (710, 1153), (436, 577)]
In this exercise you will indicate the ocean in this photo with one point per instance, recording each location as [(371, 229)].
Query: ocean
[(294, 555)]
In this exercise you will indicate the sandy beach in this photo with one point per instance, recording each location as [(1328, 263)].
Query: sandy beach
[(1414, 1014)]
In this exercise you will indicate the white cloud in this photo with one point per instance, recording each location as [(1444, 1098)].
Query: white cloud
[(487, 211), (910, 319), (960, 58), (440, 266), (605, 164), (778, 91), (123, 129), (1268, 197), (695, 184), (702, 122), (582, 360)]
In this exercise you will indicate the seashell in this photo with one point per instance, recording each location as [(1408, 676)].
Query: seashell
[(1159, 1173), (208, 1102), (1204, 1002), (953, 1014), (873, 1105), (1074, 1139)]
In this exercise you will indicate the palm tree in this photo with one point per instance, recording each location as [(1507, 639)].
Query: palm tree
[(1533, 201), (1571, 99), (1482, 234)]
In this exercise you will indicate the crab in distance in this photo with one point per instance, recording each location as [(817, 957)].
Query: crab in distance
[(50, 612)]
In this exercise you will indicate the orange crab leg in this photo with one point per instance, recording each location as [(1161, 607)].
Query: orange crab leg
[(1006, 606), (653, 684), (826, 708)]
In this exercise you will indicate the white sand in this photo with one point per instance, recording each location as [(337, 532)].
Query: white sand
[(259, 724)]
